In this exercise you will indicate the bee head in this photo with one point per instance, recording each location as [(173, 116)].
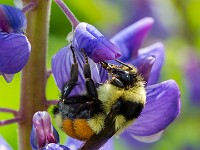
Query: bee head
[(122, 76)]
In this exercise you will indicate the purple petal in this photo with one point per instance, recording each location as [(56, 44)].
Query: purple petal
[(156, 50), (109, 145), (130, 39), (14, 52), (133, 143), (61, 67), (73, 144), (8, 77), (162, 107), (12, 19), (144, 66), (43, 132), (97, 47), (53, 146), (3, 144), (149, 138)]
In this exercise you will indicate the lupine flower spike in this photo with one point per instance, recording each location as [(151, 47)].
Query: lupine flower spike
[(87, 67)]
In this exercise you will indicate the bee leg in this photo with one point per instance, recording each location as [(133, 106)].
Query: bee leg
[(89, 83), (98, 140), (68, 86)]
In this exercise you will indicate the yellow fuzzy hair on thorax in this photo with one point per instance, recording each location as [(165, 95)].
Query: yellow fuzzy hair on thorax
[(109, 94)]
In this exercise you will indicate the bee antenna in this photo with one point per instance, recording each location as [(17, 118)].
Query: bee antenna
[(123, 63), (73, 54), (104, 64)]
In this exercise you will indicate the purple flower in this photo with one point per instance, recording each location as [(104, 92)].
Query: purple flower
[(73, 144), (14, 46), (163, 99), (4, 145), (43, 134), (87, 37)]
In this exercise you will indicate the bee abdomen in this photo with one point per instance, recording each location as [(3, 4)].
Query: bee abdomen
[(78, 129)]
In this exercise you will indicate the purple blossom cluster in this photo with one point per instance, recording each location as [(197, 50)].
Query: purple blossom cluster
[(15, 48)]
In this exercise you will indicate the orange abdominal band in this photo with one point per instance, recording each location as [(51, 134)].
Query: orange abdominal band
[(78, 129)]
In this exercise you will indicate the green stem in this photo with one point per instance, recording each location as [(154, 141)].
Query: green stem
[(73, 20), (33, 81)]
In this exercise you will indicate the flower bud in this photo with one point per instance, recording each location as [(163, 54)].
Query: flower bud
[(43, 131)]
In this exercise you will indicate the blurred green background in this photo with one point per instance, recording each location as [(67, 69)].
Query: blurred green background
[(177, 26)]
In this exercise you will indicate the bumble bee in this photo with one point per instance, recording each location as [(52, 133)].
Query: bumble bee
[(103, 111), (125, 89)]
